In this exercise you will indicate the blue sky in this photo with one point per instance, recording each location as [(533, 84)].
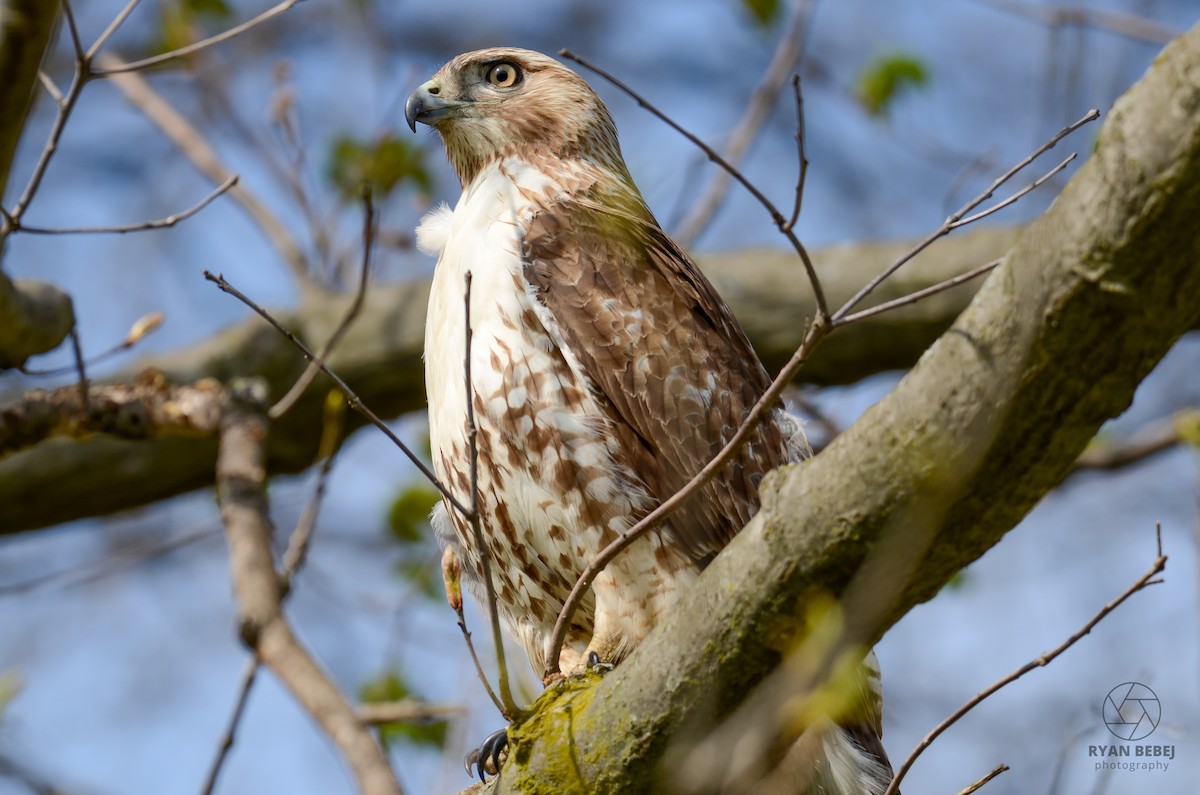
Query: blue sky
[(127, 679)]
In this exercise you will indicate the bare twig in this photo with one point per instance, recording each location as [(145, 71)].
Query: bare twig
[(914, 297), (1151, 440), (1147, 579), (487, 686), (66, 104), (473, 517), (957, 216), (192, 49), (826, 423), (406, 711), (801, 152), (81, 371), (297, 549), (293, 559), (161, 223), (117, 22), (197, 149), (11, 769), (776, 216), (978, 784), (1128, 25), (106, 566), (143, 326), (241, 489), (249, 677), (51, 87), (314, 367), (76, 42), (351, 397), (970, 219), (788, 54)]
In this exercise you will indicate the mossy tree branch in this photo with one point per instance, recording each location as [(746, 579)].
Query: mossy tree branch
[(381, 360)]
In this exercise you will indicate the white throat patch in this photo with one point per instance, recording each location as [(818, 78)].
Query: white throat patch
[(434, 230)]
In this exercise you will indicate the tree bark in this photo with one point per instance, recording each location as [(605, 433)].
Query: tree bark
[(36, 316), (990, 419), (380, 358)]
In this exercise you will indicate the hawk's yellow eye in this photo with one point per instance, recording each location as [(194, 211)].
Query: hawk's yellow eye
[(504, 75)]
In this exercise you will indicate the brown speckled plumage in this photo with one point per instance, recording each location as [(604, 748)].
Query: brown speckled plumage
[(606, 370)]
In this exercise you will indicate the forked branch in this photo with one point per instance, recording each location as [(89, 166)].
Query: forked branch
[(1042, 660)]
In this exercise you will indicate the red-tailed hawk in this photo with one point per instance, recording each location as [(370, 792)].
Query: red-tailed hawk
[(606, 371)]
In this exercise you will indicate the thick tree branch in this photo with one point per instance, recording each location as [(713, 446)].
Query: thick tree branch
[(380, 359), (25, 31), (241, 489), (993, 416), (148, 408), (37, 316)]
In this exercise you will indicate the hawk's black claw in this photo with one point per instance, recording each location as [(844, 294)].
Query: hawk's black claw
[(489, 750), (595, 665)]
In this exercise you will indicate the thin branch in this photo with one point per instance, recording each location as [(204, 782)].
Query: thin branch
[(914, 297), (293, 559), (105, 566), (241, 491), (161, 223), (12, 219), (249, 677), (487, 686), (117, 22), (81, 370), (802, 152), (816, 414), (1037, 183), (314, 367), (296, 553), (1128, 25), (788, 54), (978, 784), (32, 781), (1151, 440), (139, 93), (406, 711), (76, 42), (954, 218), (192, 49), (51, 87), (1147, 579), (141, 327), (351, 397), (776, 217), (485, 563)]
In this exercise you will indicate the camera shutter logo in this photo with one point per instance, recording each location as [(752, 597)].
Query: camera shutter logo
[(1132, 711)]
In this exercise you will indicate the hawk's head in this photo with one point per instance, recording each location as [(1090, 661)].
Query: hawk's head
[(492, 103)]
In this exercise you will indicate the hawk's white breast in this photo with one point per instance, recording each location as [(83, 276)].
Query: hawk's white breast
[(550, 493)]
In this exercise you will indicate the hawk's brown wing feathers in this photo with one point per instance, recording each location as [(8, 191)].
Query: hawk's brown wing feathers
[(663, 352)]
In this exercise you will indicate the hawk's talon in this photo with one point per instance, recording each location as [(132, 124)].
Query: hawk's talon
[(476, 761), (595, 665)]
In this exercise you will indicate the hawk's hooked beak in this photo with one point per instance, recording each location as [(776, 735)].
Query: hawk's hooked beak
[(427, 105)]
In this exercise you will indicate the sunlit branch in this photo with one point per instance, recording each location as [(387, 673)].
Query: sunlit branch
[(161, 223)]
